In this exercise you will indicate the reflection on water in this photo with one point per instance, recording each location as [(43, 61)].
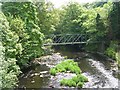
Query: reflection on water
[(94, 66)]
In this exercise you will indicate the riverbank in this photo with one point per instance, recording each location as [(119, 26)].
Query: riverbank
[(95, 67)]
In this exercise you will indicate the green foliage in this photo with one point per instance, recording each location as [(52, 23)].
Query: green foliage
[(67, 65), (115, 21), (53, 71), (21, 38), (63, 82), (80, 84), (76, 18), (29, 43), (70, 20), (77, 81), (68, 82), (48, 17), (91, 47), (96, 20), (111, 52), (9, 70), (82, 78), (25, 26), (60, 68), (26, 10), (112, 49)]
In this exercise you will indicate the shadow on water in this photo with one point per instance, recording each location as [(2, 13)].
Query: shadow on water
[(96, 67)]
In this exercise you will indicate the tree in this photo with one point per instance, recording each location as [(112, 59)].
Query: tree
[(9, 70), (70, 20), (48, 17), (23, 19), (115, 20)]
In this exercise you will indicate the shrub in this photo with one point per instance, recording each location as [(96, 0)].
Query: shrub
[(112, 49), (110, 52)]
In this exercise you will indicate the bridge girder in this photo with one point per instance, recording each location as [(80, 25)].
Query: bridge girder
[(65, 39)]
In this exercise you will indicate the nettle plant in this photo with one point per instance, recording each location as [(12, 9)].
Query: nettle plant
[(9, 70)]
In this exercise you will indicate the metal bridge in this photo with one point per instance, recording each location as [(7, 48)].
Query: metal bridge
[(66, 39)]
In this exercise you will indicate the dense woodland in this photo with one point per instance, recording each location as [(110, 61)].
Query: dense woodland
[(23, 26)]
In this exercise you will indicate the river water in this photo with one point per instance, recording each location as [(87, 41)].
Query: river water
[(101, 72)]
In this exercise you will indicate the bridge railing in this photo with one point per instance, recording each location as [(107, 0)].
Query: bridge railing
[(63, 39)]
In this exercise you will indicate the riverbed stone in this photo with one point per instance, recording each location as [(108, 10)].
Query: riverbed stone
[(49, 60), (33, 81)]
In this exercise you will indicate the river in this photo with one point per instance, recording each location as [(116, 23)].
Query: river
[(101, 72)]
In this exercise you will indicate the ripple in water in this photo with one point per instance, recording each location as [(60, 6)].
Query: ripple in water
[(110, 80)]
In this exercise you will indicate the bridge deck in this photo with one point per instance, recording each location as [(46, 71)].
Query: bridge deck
[(63, 43)]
